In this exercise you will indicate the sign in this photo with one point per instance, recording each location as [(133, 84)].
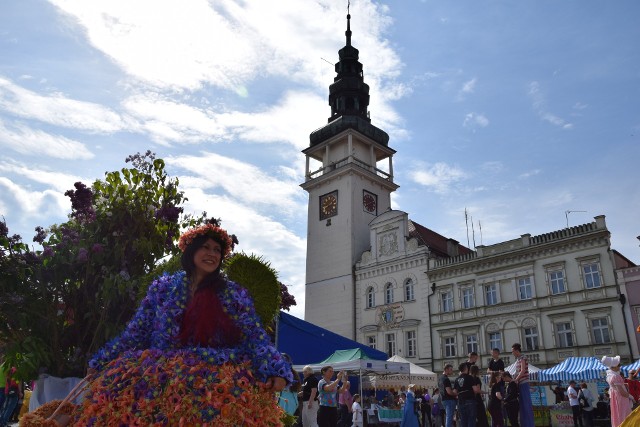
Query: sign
[(561, 418)]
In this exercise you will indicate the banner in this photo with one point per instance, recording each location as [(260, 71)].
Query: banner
[(561, 418)]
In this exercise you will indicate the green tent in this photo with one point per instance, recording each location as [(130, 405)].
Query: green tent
[(345, 356)]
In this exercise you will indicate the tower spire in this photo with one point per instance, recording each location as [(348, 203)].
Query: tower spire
[(348, 32), (349, 97)]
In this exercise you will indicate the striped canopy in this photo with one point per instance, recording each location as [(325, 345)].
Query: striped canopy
[(575, 368), (624, 370), (533, 371)]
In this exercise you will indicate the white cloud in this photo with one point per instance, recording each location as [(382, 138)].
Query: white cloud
[(474, 120), (30, 207), (58, 181), (241, 182), (529, 174), (469, 86), (59, 110), (439, 177), (540, 107), (32, 142)]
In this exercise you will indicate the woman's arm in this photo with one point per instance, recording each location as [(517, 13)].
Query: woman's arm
[(256, 346)]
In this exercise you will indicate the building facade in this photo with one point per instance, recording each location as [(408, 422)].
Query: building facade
[(555, 293)]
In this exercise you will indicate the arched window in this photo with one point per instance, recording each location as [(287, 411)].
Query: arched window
[(371, 298), (409, 294), (388, 293)]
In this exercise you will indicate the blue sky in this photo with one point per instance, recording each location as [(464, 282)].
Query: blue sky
[(516, 111)]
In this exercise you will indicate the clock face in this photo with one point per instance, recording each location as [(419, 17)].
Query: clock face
[(369, 202), (329, 205)]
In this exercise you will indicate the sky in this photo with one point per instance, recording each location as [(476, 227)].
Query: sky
[(526, 114)]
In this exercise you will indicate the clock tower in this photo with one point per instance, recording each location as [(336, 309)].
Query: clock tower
[(349, 178)]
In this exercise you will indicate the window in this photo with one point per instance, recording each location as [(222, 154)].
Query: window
[(388, 293), (467, 298), (472, 343), (450, 347), (495, 340), (412, 344), (371, 341), (491, 294), (600, 329), (447, 301), (531, 338), (591, 275), (564, 334), (524, 288), (408, 290), (556, 279), (391, 344), (371, 298)]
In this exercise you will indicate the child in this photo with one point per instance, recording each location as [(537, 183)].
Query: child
[(356, 409)]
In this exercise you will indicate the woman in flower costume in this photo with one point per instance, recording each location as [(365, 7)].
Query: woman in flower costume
[(194, 353)]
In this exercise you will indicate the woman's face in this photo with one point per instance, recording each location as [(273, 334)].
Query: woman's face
[(207, 258)]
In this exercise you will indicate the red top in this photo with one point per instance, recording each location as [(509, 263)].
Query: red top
[(206, 324), (634, 388)]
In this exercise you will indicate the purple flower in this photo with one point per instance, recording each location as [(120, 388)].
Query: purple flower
[(83, 255), (41, 235), (81, 203), (97, 248), (48, 252)]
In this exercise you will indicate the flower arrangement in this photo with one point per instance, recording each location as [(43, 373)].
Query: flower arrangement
[(176, 388), (211, 230)]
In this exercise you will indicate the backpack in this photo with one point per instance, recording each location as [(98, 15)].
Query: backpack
[(435, 409), (582, 400)]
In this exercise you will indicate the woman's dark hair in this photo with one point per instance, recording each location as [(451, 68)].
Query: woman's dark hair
[(474, 370), (187, 258), (494, 378)]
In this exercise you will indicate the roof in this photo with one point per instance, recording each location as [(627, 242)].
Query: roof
[(437, 243), (575, 368), (307, 343)]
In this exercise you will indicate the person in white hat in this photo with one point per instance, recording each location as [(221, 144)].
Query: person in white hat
[(619, 395)]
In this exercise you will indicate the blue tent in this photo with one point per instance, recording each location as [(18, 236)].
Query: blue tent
[(624, 370), (307, 343), (575, 368)]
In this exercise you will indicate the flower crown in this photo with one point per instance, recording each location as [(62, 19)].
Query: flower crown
[(216, 233)]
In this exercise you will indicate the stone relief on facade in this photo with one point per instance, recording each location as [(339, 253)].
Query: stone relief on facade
[(388, 244), (390, 316)]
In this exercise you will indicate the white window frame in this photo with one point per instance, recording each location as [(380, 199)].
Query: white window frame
[(588, 274), (372, 341), (371, 297), (557, 282), (598, 332), (449, 346), (446, 301), (495, 340), (564, 336), (526, 284), (491, 289), (471, 343), (409, 290), (531, 338), (388, 293), (390, 344), (411, 338), (466, 298)]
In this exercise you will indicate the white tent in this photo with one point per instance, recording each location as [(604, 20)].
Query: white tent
[(358, 364), (533, 371), (417, 375), (362, 366)]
